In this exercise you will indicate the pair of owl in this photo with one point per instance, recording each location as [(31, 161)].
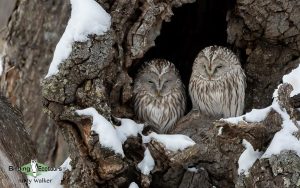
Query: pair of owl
[(216, 88)]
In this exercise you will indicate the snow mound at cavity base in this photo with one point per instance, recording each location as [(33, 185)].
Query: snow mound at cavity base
[(87, 18), (107, 133), (128, 128), (174, 143)]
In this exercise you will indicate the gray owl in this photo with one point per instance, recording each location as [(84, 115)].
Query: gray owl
[(217, 84), (159, 96)]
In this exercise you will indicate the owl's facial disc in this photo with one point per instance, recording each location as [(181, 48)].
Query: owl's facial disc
[(203, 68), (151, 86), (168, 83), (155, 86), (219, 68), (211, 70), (159, 84)]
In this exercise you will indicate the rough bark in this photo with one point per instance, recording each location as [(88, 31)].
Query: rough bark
[(33, 29), (16, 149), (278, 171), (296, 101), (219, 153), (6, 8), (96, 75), (267, 32)]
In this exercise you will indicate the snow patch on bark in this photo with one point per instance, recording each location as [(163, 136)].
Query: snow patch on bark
[(108, 136), (128, 128), (247, 158), (283, 139), (293, 78), (193, 169), (87, 18), (147, 164), (113, 137), (133, 185), (220, 131)]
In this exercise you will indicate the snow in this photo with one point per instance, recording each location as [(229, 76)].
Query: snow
[(54, 176), (87, 18), (193, 169), (147, 164), (133, 185), (108, 136), (173, 142), (256, 115), (128, 128), (288, 124), (283, 139), (220, 131), (247, 158), (293, 78), (113, 137)]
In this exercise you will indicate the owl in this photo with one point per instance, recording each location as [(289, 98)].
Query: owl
[(159, 95), (217, 84)]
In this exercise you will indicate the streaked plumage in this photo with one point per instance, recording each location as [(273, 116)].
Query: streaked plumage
[(217, 84), (159, 96)]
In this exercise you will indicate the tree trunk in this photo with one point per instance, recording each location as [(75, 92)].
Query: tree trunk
[(16, 149), (267, 32), (99, 74), (33, 29)]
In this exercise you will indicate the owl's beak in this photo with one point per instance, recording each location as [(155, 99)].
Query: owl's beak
[(158, 93), (210, 73)]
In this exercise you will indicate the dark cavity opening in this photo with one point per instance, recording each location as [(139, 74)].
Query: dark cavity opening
[(193, 27)]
